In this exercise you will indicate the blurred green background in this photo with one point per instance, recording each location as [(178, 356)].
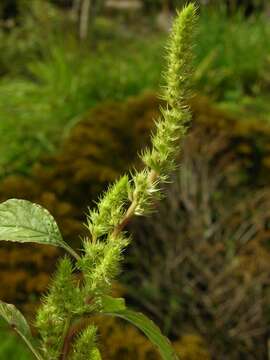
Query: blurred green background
[(78, 84)]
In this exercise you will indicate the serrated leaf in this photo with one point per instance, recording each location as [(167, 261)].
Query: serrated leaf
[(150, 330), (23, 221), (17, 321), (111, 304)]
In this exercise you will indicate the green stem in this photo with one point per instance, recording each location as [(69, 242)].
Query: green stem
[(71, 251), (71, 331), (152, 177), (31, 347), (64, 337)]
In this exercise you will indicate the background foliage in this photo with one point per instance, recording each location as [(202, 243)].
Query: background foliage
[(49, 80)]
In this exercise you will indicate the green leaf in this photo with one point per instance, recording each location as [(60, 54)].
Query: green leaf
[(23, 221), (17, 321), (111, 304), (149, 329)]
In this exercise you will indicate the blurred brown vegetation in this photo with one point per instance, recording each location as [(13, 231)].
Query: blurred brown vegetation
[(205, 263), (119, 340)]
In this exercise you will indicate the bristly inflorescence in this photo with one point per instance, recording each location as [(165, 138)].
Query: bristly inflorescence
[(131, 195), (175, 115), (110, 209), (85, 345)]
